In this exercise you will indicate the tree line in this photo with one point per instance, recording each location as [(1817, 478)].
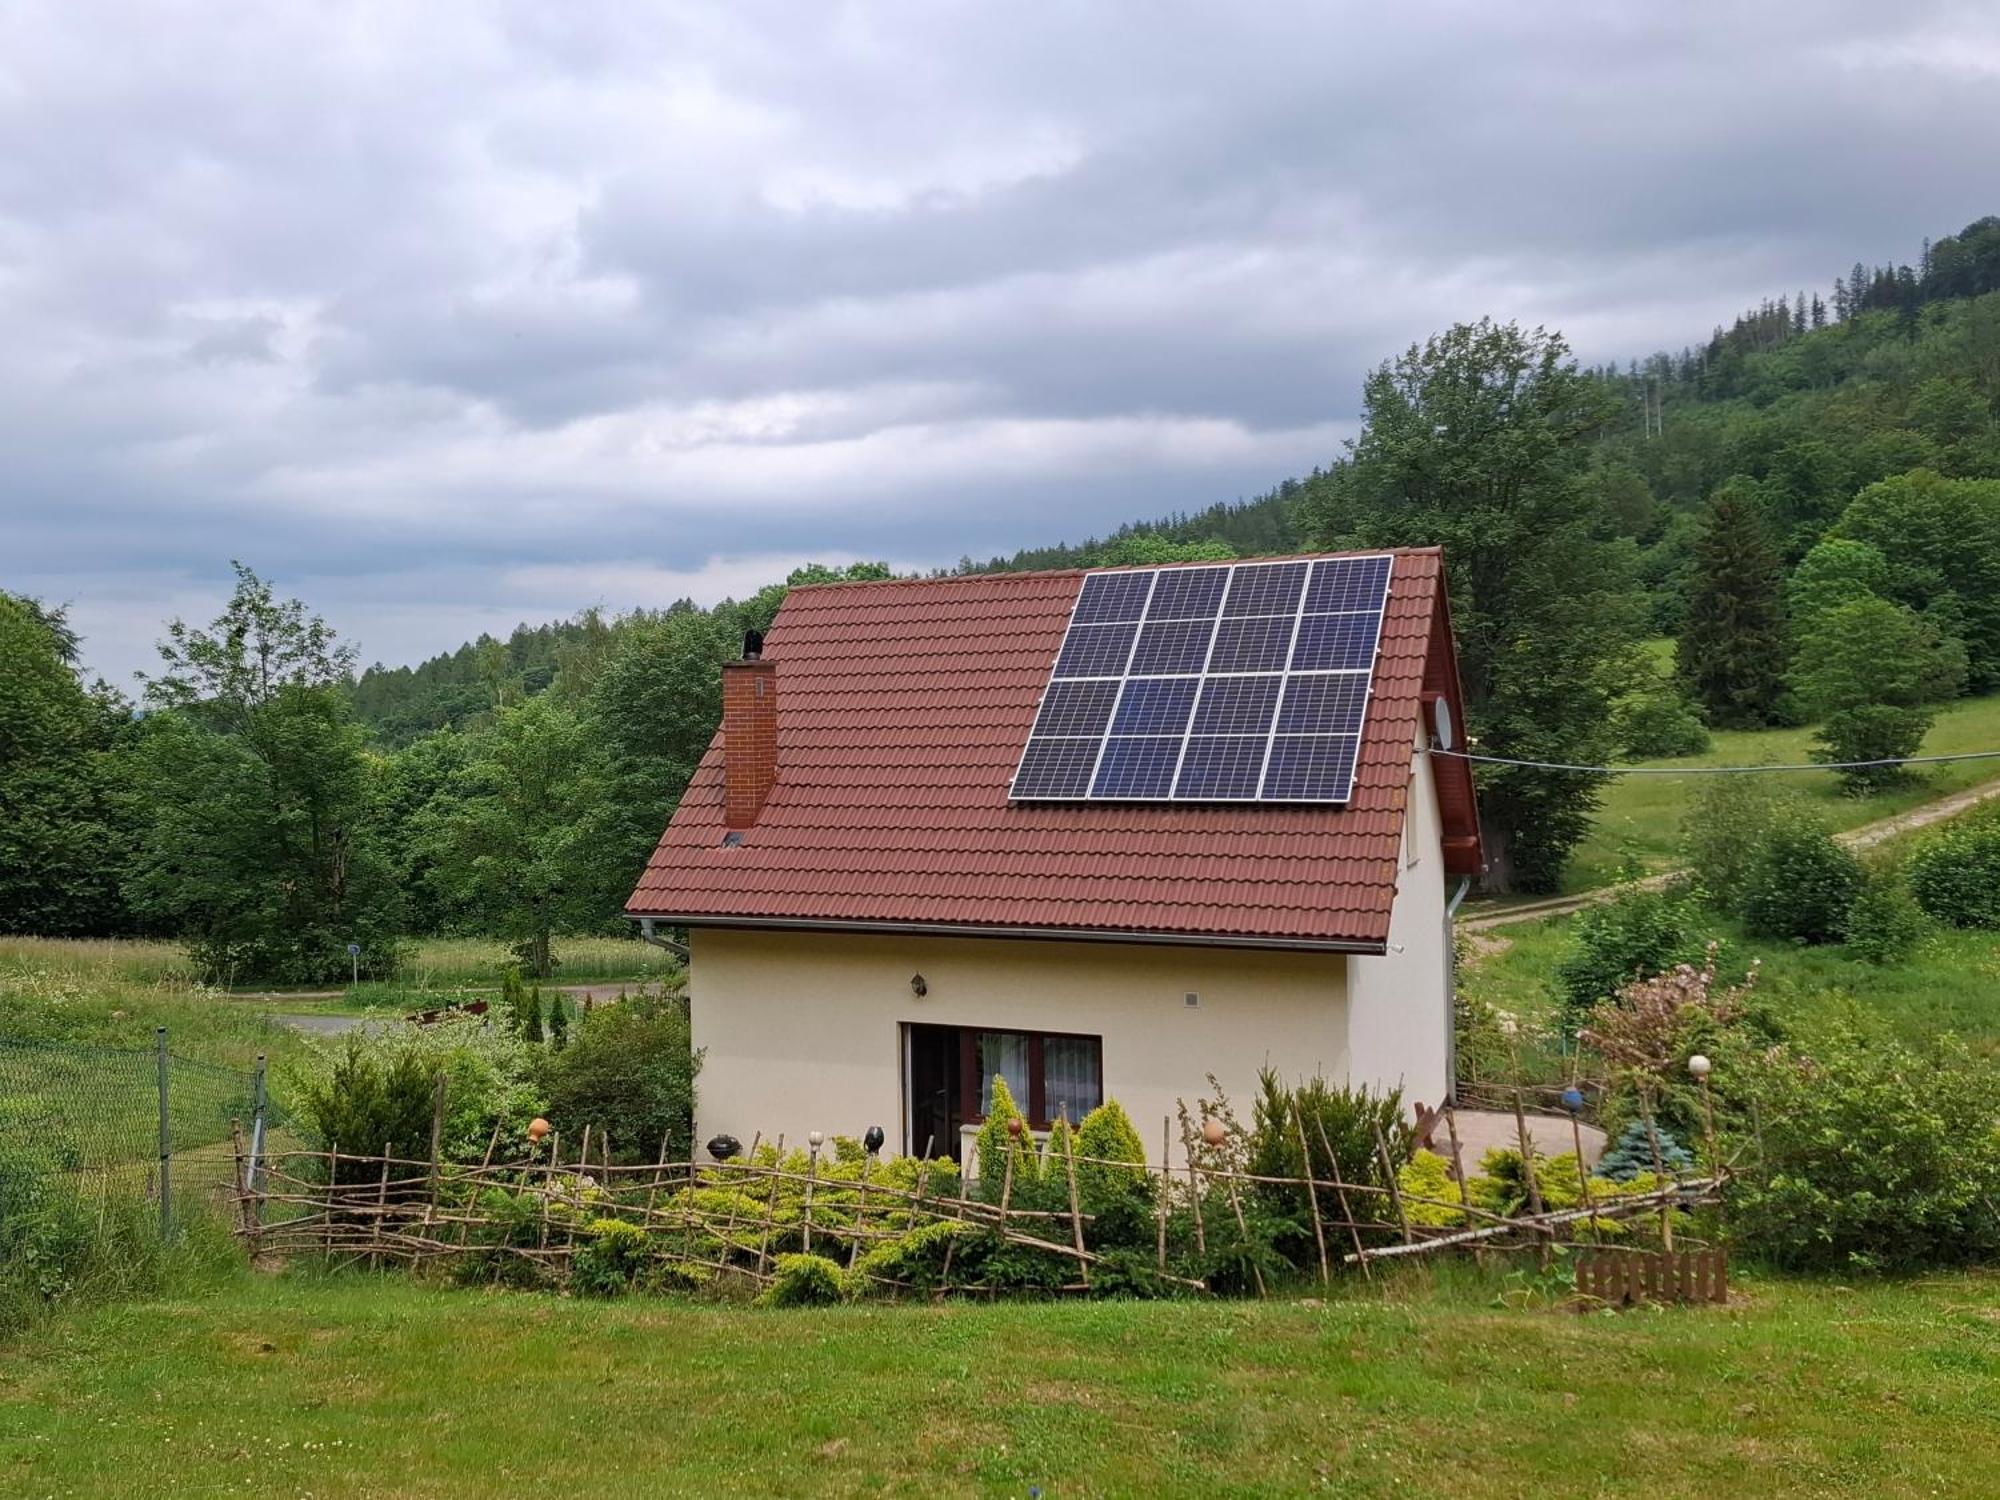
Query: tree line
[(1815, 518)]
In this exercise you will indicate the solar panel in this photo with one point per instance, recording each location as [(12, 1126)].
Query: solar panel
[(1243, 682)]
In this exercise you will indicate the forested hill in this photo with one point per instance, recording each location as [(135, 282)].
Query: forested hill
[(1803, 401)]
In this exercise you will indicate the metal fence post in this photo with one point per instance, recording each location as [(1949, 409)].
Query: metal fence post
[(166, 1140), (256, 1125)]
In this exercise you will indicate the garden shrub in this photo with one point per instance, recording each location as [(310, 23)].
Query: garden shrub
[(994, 1145), (988, 1262), (1501, 1187), (374, 1098), (1955, 874), (615, 1257), (1637, 933), (914, 1259), (376, 1088), (1801, 885), (1120, 1197), (1885, 923), (1429, 1192), (1875, 1156), (629, 1072), (804, 1281), (1352, 1121)]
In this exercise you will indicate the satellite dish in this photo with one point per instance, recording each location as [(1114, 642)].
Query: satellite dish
[(1441, 723)]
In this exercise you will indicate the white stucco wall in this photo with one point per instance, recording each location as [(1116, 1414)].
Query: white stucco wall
[(802, 1031), (1399, 1005)]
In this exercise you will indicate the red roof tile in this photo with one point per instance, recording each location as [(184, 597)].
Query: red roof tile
[(902, 710)]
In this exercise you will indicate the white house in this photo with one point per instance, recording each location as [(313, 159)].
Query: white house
[(1103, 833)]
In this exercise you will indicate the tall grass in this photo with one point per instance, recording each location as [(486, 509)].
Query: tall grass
[(442, 962), (68, 1241)]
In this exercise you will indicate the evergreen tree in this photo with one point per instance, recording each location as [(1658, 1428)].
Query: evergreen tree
[(558, 1022), (531, 1015), (1732, 647)]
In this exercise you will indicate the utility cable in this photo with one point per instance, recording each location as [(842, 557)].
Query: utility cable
[(1817, 765)]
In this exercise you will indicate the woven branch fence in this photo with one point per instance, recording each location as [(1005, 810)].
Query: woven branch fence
[(539, 1218)]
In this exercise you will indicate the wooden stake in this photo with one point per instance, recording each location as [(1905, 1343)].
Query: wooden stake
[(1075, 1205), (1243, 1228), (1312, 1192), (1194, 1191), (860, 1212), (770, 1210), (1458, 1160), (381, 1207), (332, 1190), (1389, 1176), (1660, 1171), (1340, 1190), (1160, 1198), (548, 1187), (1527, 1155), (1583, 1176)]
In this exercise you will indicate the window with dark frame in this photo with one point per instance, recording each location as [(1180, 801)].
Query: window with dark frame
[(1049, 1073)]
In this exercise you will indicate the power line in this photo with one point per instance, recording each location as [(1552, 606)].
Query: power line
[(1817, 765)]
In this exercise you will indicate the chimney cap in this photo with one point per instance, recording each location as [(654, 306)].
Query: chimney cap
[(753, 645)]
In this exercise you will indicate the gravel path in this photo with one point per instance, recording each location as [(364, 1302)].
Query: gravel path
[(1867, 836), (336, 1023)]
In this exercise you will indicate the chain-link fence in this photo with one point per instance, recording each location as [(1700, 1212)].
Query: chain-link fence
[(136, 1119)]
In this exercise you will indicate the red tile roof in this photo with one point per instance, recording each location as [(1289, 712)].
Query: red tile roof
[(902, 710)]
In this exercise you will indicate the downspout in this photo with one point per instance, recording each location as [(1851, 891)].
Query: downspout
[(1451, 986), (646, 935)]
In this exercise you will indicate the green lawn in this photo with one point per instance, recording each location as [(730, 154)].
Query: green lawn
[(357, 1387), (1642, 815)]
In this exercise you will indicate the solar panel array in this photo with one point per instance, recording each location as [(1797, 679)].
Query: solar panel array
[(1235, 683)]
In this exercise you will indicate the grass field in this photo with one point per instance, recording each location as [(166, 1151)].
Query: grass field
[(358, 1387), (1642, 815)]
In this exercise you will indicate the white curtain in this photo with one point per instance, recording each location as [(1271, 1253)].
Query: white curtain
[(1071, 1087), (1005, 1053)]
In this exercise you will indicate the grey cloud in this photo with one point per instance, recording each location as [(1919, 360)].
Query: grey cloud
[(397, 300)]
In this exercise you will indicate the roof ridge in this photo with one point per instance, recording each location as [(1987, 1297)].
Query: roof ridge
[(1031, 574)]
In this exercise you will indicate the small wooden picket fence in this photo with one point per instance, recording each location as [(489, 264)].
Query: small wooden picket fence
[(1626, 1278)]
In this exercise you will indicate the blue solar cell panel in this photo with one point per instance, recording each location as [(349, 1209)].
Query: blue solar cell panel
[(1341, 583), (1112, 596), (1171, 646), (1336, 643), (1096, 651), (1266, 589), (1243, 682), (1140, 767), (1236, 705), (1155, 705), (1056, 768), (1324, 703), (1310, 768), (1188, 594), (1221, 767), (1076, 708), (1255, 645)]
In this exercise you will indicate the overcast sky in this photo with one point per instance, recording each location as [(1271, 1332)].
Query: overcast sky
[(446, 316)]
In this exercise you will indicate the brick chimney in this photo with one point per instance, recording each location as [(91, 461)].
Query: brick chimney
[(749, 733)]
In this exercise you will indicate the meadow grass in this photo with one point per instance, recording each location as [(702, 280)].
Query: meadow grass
[(362, 1386), (1641, 816)]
